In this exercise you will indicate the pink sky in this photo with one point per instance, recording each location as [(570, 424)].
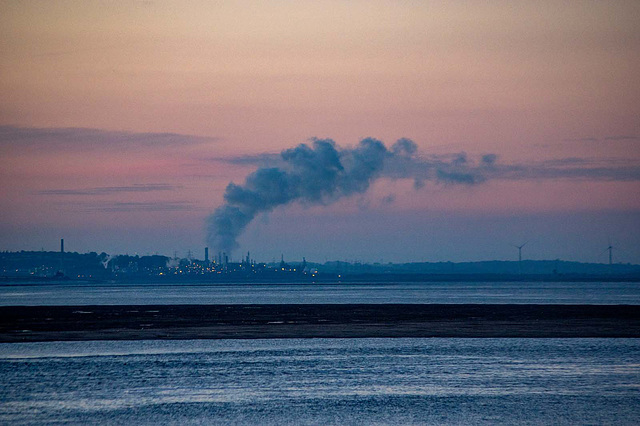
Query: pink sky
[(90, 90)]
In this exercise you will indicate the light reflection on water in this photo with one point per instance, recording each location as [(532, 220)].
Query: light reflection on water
[(422, 292), (311, 381)]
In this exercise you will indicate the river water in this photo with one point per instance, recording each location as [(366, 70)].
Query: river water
[(612, 293), (322, 381)]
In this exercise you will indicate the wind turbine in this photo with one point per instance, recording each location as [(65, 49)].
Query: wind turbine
[(520, 256), (520, 250), (610, 250)]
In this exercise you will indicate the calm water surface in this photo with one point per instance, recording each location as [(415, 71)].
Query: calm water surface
[(450, 292), (322, 381)]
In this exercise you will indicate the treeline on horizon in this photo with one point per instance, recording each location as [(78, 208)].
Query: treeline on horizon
[(103, 266)]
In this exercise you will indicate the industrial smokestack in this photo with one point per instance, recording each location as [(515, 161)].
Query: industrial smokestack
[(206, 255), (62, 256)]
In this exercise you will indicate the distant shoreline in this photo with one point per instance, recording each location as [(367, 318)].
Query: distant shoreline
[(176, 322), (327, 278)]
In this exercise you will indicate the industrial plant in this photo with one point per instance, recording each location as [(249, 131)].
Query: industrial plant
[(63, 265), (102, 266)]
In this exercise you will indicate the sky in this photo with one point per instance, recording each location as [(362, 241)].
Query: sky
[(123, 123)]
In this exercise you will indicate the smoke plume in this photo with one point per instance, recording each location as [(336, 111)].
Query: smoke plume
[(323, 173)]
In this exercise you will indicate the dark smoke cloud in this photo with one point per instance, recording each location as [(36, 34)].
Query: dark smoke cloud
[(323, 173), (445, 169)]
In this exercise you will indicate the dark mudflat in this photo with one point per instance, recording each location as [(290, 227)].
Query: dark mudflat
[(55, 323)]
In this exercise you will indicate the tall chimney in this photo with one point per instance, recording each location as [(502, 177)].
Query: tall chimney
[(62, 255), (206, 255)]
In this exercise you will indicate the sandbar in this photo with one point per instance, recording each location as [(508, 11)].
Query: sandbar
[(143, 322)]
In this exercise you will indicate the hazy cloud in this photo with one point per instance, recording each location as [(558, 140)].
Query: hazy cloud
[(157, 206), (107, 190), (622, 138), (133, 206), (265, 159), (611, 169), (74, 139), (613, 138), (580, 140)]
